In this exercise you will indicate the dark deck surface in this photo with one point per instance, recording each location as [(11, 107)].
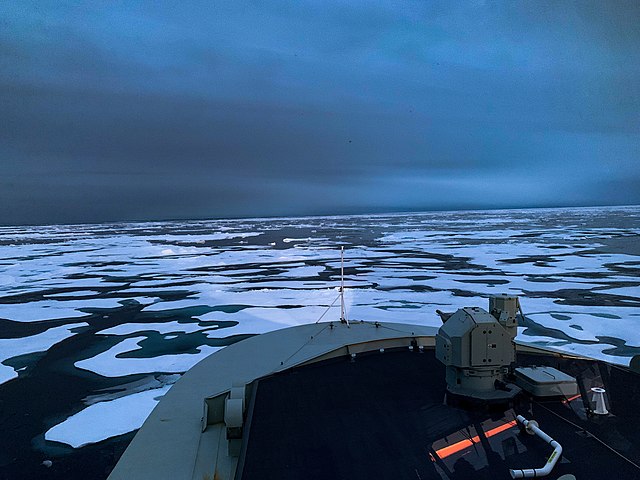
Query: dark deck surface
[(383, 417)]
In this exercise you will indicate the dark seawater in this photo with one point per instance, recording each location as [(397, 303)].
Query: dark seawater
[(97, 321)]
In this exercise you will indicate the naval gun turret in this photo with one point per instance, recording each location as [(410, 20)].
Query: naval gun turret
[(477, 347)]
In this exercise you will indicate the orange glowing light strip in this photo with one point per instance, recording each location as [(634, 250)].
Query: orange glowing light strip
[(571, 399), (466, 443)]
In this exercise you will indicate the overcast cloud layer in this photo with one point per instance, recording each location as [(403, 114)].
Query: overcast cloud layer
[(211, 109)]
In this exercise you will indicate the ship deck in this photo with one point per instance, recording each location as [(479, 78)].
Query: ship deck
[(312, 412), (171, 443), (383, 416)]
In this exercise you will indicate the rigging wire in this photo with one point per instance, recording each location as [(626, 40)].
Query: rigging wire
[(304, 344), (328, 308)]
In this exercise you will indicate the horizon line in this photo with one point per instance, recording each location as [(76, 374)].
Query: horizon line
[(325, 215)]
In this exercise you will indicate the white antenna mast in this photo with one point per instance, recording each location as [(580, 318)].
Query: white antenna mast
[(343, 318)]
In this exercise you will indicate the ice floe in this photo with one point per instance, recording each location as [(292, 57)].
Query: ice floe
[(54, 309), (106, 419), (108, 364), (72, 294), (13, 347), (162, 328), (36, 311)]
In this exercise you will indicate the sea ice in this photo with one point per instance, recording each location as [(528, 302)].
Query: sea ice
[(162, 328), (72, 294), (42, 310), (108, 364), (13, 347), (103, 420), (54, 309)]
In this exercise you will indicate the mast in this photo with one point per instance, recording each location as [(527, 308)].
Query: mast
[(343, 318)]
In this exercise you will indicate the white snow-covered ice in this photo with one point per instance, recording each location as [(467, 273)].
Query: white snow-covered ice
[(13, 347), (108, 365), (106, 419)]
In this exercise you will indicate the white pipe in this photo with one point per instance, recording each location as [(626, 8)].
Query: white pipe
[(553, 458)]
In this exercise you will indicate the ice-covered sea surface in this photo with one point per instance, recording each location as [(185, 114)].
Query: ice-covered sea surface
[(97, 321)]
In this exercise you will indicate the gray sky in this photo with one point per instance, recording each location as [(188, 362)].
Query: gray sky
[(153, 110)]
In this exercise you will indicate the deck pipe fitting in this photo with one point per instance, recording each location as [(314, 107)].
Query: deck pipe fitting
[(532, 427), (598, 398)]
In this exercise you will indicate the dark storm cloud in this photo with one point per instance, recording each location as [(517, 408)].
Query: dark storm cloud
[(234, 108)]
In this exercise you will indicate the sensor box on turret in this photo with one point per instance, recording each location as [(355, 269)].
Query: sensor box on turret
[(546, 382)]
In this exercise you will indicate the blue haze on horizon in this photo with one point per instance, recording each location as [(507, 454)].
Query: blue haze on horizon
[(156, 110)]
